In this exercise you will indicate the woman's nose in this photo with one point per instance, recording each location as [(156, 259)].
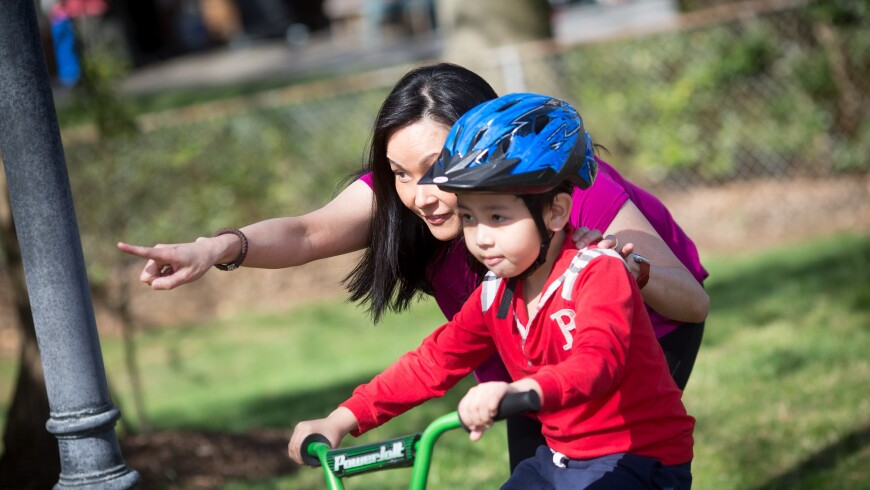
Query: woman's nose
[(425, 195)]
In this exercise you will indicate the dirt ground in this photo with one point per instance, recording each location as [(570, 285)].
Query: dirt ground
[(733, 219), (189, 459)]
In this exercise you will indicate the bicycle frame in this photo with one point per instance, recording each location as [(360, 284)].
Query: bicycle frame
[(412, 450)]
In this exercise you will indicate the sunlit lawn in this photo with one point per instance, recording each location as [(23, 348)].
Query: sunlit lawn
[(781, 390)]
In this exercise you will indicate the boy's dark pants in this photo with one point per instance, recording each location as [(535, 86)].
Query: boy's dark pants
[(623, 471)]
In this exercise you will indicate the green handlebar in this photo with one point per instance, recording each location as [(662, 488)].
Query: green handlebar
[(413, 449)]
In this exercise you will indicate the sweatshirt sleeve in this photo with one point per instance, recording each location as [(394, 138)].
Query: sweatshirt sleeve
[(604, 309), (442, 360)]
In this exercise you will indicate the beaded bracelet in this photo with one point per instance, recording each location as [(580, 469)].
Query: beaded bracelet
[(238, 262)]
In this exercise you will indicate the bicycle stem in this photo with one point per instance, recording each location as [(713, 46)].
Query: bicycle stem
[(320, 450), (426, 445)]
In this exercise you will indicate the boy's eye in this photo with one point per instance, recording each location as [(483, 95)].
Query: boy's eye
[(466, 218), (497, 218)]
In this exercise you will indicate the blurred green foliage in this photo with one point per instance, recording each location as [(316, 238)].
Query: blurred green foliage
[(102, 71), (734, 100)]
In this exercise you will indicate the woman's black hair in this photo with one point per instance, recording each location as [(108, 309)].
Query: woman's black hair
[(393, 268)]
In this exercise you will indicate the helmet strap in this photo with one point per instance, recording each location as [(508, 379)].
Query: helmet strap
[(506, 298), (537, 211)]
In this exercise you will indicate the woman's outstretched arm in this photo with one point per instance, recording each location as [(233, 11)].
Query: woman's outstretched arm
[(339, 227)]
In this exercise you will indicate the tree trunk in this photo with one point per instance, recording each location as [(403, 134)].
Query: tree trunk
[(505, 41), (31, 459)]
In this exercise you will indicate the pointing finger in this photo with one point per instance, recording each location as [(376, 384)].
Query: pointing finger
[(139, 251)]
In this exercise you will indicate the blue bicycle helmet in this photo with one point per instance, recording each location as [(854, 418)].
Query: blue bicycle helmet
[(516, 144), (523, 144)]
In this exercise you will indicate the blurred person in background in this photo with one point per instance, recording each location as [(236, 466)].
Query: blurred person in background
[(65, 42)]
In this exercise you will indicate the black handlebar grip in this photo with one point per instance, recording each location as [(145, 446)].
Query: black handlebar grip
[(517, 403), (307, 458)]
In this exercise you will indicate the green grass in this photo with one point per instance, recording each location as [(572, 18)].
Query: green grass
[(780, 389), (265, 370)]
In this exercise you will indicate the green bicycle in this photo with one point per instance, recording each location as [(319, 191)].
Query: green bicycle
[(413, 450)]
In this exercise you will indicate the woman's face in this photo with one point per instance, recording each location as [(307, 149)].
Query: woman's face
[(411, 150)]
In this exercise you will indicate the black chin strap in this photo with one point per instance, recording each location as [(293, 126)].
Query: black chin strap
[(534, 206), (542, 257), (506, 298)]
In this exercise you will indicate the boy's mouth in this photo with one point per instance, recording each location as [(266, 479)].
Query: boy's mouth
[(491, 261)]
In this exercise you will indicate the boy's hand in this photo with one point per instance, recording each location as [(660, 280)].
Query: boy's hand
[(334, 427), (478, 407)]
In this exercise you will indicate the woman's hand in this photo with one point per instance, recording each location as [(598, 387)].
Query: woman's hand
[(583, 237), (334, 427), (169, 266)]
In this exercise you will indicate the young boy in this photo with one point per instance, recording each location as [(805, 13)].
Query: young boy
[(569, 324)]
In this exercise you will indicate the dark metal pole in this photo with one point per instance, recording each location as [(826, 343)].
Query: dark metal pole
[(82, 414)]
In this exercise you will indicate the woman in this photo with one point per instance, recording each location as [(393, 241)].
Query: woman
[(410, 235)]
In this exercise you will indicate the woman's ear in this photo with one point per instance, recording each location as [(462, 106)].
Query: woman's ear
[(559, 212)]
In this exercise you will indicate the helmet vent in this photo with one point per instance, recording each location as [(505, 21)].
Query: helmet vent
[(502, 149), (508, 105), (477, 137), (540, 123)]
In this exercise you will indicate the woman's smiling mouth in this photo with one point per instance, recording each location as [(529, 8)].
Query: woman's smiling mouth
[(437, 219)]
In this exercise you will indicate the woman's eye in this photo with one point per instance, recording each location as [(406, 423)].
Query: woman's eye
[(401, 175)]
